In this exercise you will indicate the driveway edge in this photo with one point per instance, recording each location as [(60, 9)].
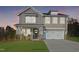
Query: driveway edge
[(46, 45)]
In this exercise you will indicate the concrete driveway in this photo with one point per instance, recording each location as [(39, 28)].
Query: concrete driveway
[(62, 45)]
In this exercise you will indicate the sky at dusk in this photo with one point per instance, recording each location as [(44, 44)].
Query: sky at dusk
[(8, 14)]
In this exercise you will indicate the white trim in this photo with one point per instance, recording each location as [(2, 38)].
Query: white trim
[(55, 34), (55, 28), (62, 20), (28, 31), (54, 20), (30, 19), (47, 20)]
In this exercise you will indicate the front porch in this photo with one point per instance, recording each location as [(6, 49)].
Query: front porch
[(35, 33)]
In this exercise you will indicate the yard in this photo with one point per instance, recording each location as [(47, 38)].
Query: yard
[(73, 38), (23, 46)]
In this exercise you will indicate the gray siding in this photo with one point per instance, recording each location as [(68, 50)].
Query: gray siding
[(21, 19), (51, 25), (30, 12), (40, 21), (38, 18)]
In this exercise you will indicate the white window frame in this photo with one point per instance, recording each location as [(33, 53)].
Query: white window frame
[(62, 20), (47, 20), (30, 19), (54, 20), (28, 31), (23, 30), (18, 28)]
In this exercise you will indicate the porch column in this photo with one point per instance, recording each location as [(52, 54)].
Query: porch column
[(18, 32), (32, 33), (41, 33)]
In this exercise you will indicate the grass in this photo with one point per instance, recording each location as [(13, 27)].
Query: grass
[(73, 38), (23, 46)]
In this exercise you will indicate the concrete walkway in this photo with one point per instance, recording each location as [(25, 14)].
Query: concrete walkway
[(62, 46)]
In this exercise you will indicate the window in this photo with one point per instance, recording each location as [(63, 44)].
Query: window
[(18, 28), (62, 20), (30, 19), (23, 30), (47, 20), (28, 31), (54, 20)]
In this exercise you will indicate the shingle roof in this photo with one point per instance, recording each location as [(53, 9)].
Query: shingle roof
[(29, 7), (49, 13), (44, 14)]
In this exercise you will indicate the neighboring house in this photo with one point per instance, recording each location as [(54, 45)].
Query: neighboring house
[(51, 25)]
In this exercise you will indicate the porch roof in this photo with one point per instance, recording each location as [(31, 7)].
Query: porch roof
[(29, 25)]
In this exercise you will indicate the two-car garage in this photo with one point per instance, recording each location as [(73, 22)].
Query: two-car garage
[(56, 34)]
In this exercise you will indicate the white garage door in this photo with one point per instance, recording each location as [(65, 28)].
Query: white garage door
[(54, 34)]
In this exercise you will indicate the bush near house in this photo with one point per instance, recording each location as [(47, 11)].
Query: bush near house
[(22, 37)]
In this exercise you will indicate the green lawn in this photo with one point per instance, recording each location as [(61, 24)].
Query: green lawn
[(23, 46), (74, 38)]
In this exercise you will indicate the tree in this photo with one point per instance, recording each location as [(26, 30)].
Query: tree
[(2, 33), (10, 33), (73, 27)]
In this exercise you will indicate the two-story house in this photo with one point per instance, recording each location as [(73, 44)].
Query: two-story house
[(51, 25)]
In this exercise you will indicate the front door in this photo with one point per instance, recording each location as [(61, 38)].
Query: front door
[(35, 33)]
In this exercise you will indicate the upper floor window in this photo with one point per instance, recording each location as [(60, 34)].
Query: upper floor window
[(23, 30), (47, 20), (62, 20), (30, 19), (54, 20)]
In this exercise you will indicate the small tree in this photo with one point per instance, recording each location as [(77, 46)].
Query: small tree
[(10, 33), (2, 32)]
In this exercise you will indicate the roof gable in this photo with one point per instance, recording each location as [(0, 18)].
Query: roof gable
[(29, 10)]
